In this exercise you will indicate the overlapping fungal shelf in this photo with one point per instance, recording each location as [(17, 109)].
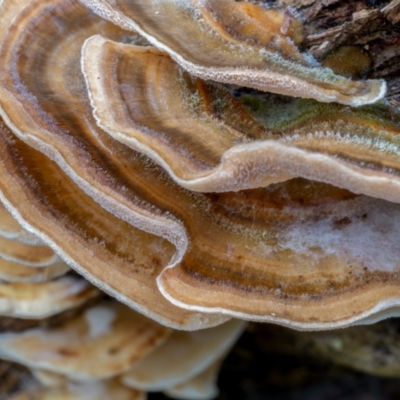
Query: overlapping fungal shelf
[(239, 43), (208, 141), (190, 206), (33, 284), (108, 389)]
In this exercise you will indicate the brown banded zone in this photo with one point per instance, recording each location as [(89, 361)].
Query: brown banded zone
[(79, 229), (152, 105), (249, 250), (11, 229), (30, 255), (208, 141), (50, 109), (319, 243), (298, 242)]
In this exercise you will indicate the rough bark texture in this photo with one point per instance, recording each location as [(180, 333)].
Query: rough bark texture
[(371, 25)]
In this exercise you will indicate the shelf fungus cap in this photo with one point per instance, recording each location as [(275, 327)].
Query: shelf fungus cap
[(50, 35), (105, 390), (15, 272), (48, 202), (49, 378), (23, 256), (302, 254), (242, 44), (43, 299), (103, 342), (26, 254), (192, 352), (209, 141), (271, 261), (95, 185), (200, 387), (11, 229), (92, 184)]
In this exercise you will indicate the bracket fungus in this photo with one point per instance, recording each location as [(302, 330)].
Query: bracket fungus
[(32, 284), (185, 203), (43, 299), (25, 262), (15, 272), (252, 226), (11, 229), (107, 184), (242, 44), (200, 387), (110, 389), (208, 141), (102, 342), (98, 164), (192, 352), (109, 339), (33, 256)]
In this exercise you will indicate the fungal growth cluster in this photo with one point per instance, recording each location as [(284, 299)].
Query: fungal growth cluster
[(135, 166)]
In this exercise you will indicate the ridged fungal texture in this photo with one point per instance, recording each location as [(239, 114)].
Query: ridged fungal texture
[(135, 167), (33, 284), (241, 44)]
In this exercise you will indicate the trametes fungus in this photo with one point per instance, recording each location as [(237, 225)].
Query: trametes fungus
[(110, 389), (192, 352), (106, 151), (279, 234), (200, 387), (237, 43), (23, 256), (109, 339), (208, 141), (104, 341), (11, 229), (43, 299), (32, 284), (16, 272)]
